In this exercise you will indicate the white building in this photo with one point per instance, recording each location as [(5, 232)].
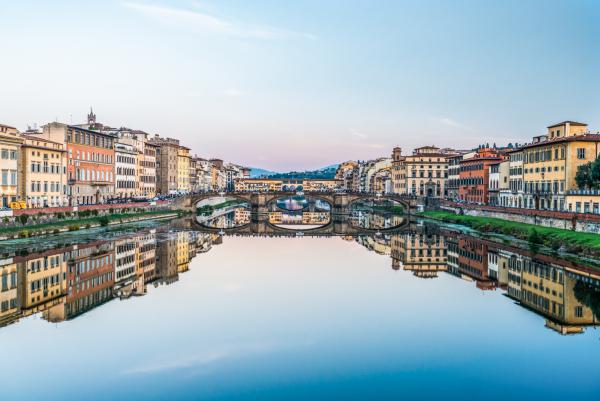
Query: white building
[(126, 162), (513, 195)]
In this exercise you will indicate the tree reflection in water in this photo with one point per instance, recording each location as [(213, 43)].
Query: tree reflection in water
[(68, 281)]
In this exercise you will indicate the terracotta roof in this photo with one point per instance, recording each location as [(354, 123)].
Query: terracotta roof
[(35, 138), (568, 122), (584, 138)]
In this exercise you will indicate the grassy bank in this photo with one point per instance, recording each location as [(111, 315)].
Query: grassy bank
[(396, 209), (33, 229), (555, 238)]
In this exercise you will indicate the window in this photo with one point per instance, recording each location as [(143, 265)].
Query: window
[(581, 153)]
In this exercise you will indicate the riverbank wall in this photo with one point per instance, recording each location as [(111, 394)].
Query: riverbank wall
[(582, 222), (30, 218)]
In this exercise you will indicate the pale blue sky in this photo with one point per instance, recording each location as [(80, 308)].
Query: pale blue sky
[(294, 85)]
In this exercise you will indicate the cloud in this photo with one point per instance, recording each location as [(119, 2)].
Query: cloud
[(233, 92), (210, 23), (358, 134), (454, 124), (229, 352)]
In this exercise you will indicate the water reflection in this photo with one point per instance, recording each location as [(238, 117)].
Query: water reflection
[(230, 217), (67, 282), (375, 220)]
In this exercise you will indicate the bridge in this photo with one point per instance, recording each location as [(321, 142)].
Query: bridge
[(340, 201), (338, 226)]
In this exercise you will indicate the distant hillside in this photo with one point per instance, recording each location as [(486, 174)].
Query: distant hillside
[(324, 173), (260, 172)]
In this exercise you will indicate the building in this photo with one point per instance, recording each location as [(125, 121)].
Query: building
[(183, 170), (424, 173), (42, 280), (551, 161), (498, 182), (145, 155), (43, 178), (475, 174), (90, 162), (266, 184), (374, 175), (201, 173), (513, 195), (345, 172), (234, 172), (218, 176), (423, 253), (167, 174), (9, 293), (126, 169), (10, 147), (583, 201), (147, 170)]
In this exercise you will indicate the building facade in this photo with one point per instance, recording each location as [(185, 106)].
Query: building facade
[(90, 162), (167, 150), (475, 174), (10, 147), (43, 178), (551, 162), (126, 169)]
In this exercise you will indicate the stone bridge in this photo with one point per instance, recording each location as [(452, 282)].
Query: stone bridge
[(340, 201), (338, 226)]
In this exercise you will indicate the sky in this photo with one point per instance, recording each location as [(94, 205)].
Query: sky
[(299, 85)]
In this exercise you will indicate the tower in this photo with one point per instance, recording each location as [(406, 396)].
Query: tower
[(91, 118)]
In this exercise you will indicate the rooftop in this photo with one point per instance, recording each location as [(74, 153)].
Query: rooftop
[(568, 122)]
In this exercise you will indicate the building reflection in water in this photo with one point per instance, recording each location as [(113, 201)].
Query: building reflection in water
[(562, 292), (67, 282), (64, 283)]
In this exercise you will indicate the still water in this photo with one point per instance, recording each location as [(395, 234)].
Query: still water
[(173, 311)]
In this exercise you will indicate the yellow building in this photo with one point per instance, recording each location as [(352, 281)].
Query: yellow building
[(9, 295), (550, 290), (183, 251), (42, 280), (10, 147), (43, 176), (424, 173), (266, 185), (583, 201), (550, 164), (183, 169), (424, 255)]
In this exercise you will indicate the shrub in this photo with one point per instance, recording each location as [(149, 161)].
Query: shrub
[(23, 219), (60, 215), (73, 227), (55, 231), (103, 221), (88, 225), (23, 234), (534, 237)]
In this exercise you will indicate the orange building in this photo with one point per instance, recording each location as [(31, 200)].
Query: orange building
[(90, 162), (474, 175)]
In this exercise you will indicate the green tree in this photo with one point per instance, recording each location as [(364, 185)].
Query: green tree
[(23, 219), (588, 175)]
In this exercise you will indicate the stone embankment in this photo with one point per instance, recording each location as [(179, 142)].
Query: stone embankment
[(582, 222), (34, 222)]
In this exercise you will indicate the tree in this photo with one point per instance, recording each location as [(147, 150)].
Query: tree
[(23, 219), (588, 175)]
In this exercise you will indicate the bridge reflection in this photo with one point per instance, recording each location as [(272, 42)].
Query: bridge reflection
[(64, 282)]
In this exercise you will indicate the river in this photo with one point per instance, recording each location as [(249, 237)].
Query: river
[(175, 311)]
